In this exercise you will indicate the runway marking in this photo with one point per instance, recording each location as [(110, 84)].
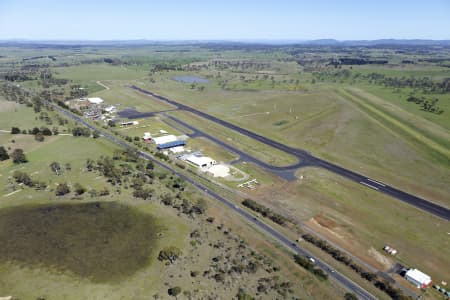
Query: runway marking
[(377, 182), (369, 185)]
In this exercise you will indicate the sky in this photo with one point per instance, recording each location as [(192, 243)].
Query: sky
[(224, 20)]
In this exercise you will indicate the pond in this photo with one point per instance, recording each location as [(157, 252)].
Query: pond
[(190, 79)]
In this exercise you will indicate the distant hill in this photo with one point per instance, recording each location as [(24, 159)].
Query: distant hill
[(406, 42), (318, 42)]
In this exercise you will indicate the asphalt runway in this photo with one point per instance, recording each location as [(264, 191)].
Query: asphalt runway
[(307, 159)]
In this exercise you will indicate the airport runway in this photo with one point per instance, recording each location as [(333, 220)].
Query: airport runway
[(307, 159)]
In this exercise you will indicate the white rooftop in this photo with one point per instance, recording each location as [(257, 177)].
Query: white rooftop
[(95, 100), (147, 135), (219, 170), (200, 160), (418, 276), (164, 139), (177, 149)]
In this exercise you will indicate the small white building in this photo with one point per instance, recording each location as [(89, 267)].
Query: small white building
[(176, 150), (95, 100), (219, 170), (201, 161), (110, 109), (164, 139), (129, 123), (147, 136), (419, 279)]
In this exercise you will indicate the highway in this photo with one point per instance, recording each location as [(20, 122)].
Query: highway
[(307, 159), (263, 227)]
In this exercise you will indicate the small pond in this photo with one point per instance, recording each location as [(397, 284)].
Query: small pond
[(190, 79)]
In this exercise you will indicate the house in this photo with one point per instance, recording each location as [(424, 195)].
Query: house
[(201, 161), (419, 279)]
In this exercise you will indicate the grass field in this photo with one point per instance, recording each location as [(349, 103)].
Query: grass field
[(329, 126), (259, 150), (152, 125), (13, 114), (209, 148), (50, 236), (97, 248), (119, 93), (360, 219)]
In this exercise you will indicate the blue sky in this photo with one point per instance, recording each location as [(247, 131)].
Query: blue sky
[(226, 19)]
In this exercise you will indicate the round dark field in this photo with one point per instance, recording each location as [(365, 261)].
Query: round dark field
[(102, 241)]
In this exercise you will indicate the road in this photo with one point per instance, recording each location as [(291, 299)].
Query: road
[(307, 159), (277, 236)]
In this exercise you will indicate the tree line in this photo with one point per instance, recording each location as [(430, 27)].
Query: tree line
[(337, 254), (266, 212)]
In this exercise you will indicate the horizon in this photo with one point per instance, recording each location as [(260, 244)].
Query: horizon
[(201, 20)]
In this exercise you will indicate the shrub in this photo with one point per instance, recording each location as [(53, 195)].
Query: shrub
[(18, 156), (15, 130), (79, 189), (62, 189), (175, 291), (3, 154), (169, 253), (22, 177), (39, 137)]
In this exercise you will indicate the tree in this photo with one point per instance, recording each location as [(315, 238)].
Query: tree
[(201, 206), (46, 131), (175, 291), (150, 165), (169, 253), (35, 131), (18, 156), (15, 130), (39, 137), (79, 189), (350, 296), (56, 168), (22, 177), (3, 154), (62, 189), (81, 131), (96, 134)]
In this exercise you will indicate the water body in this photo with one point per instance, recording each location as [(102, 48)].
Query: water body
[(190, 79)]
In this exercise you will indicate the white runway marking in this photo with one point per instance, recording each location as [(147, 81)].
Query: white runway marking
[(374, 181), (369, 185)]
